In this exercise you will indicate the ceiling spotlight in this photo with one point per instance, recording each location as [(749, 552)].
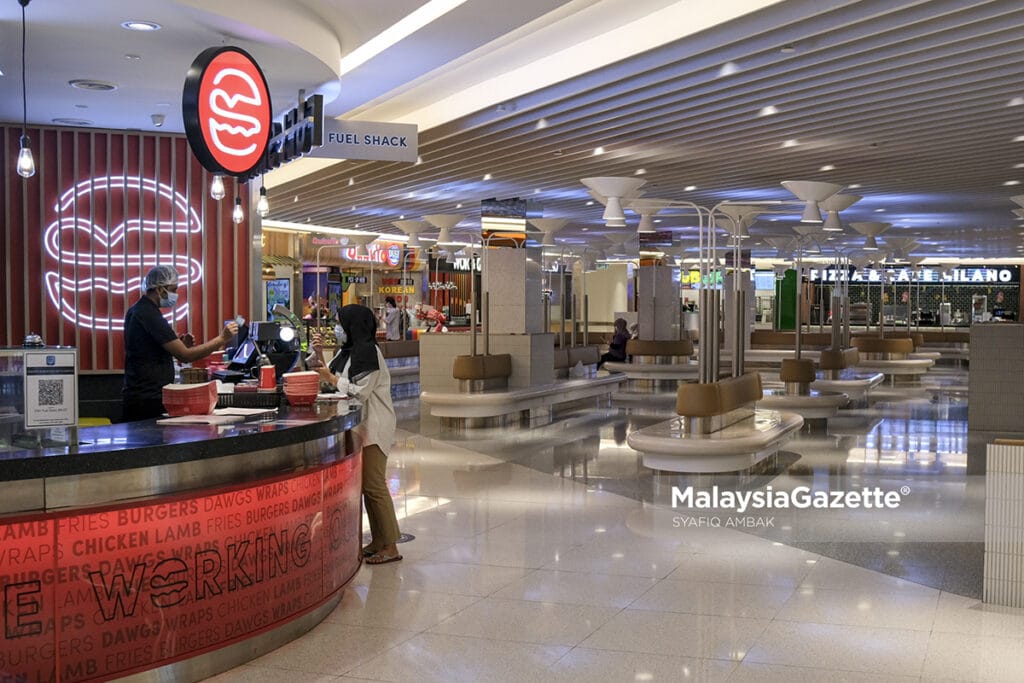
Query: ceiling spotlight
[(598, 151), (787, 49), (770, 110), (1015, 102), (790, 143), (1010, 183), (827, 167), (135, 25), (689, 188)]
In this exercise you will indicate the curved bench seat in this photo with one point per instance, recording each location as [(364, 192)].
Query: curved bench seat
[(659, 371), (849, 382), (815, 405), (739, 446), (658, 351), (503, 402), (907, 366)]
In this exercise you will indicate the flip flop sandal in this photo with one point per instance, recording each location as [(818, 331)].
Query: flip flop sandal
[(378, 558), (368, 552)]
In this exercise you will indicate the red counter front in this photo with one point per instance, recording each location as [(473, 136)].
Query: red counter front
[(96, 594)]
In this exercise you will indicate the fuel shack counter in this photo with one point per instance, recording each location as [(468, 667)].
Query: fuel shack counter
[(175, 552)]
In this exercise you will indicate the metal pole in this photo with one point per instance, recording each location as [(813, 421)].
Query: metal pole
[(562, 300), (486, 325), (472, 302), (799, 293), (573, 319)]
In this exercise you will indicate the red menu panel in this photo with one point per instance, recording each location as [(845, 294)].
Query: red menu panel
[(98, 594)]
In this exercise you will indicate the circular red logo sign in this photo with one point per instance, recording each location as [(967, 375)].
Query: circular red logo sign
[(227, 111)]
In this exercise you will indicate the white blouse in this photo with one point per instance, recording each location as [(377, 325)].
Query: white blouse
[(374, 392)]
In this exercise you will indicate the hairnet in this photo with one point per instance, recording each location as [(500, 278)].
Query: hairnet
[(160, 276)]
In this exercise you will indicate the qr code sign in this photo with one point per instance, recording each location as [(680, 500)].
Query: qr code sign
[(51, 392)]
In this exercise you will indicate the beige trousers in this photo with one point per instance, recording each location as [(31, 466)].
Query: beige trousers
[(377, 499)]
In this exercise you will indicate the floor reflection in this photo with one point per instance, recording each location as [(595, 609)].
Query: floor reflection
[(905, 439)]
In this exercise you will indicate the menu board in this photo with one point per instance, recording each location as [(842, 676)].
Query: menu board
[(108, 592)]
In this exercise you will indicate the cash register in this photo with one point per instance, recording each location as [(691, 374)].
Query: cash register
[(260, 343)]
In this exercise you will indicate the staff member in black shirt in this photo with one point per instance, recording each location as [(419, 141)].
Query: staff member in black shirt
[(151, 345)]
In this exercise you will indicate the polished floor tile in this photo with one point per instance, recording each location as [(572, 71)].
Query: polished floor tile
[(956, 656), (915, 611), (445, 659), (332, 648), (408, 610), (576, 588), (524, 621), (677, 634), (765, 571), (748, 672), (846, 648), (585, 665), (721, 599), (439, 577)]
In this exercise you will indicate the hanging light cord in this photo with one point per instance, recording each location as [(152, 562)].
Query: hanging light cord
[(24, 90)]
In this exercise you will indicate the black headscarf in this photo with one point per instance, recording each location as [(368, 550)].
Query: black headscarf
[(360, 325)]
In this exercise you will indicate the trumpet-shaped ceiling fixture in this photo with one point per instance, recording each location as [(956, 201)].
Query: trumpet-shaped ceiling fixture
[(900, 247), (832, 206), (549, 226), (811, 192), (362, 241), (610, 191), (809, 235), (1019, 213), (780, 270), (870, 230), (740, 218), (1018, 199), (648, 209), (413, 230), (783, 246), (737, 231), (444, 222)]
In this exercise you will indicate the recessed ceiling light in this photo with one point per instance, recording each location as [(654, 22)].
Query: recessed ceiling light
[(419, 160), (879, 210), (1016, 102), (584, 229), (854, 186), (487, 176), (295, 200), (827, 167), (640, 171), (133, 58), (768, 111), (1019, 138), (1018, 165), (357, 225), (541, 124), (689, 188), (351, 182), (402, 217), (72, 122), (787, 49), (536, 190), (790, 143), (89, 84), (135, 25), (598, 151), (657, 220), (1012, 182), (458, 206), (728, 69), (590, 203), (163, 104), (81, 106)]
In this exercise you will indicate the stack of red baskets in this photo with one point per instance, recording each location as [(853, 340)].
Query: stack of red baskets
[(190, 399), (301, 388)]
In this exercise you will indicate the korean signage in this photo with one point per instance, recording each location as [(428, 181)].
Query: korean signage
[(1001, 275), (98, 594), (51, 388), (368, 140)]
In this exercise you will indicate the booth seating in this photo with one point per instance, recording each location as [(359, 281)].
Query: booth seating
[(890, 356), (403, 361), (838, 374), (917, 338), (719, 429), (656, 364), (514, 406), (797, 396), (566, 358), (480, 372), (950, 345), (769, 339)]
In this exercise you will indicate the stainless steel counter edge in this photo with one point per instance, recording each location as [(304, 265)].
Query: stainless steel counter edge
[(187, 459)]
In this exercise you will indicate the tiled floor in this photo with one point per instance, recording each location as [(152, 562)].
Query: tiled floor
[(550, 554)]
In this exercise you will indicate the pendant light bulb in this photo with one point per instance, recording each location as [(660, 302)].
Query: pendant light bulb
[(238, 215), (26, 163), (263, 205), (217, 188)]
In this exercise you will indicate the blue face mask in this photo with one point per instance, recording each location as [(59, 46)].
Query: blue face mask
[(340, 335), (169, 300)]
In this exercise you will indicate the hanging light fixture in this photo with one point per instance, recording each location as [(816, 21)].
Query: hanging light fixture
[(833, 205), (811, 192), (263, 205), (217, 188), (237, 216), (549, 226), (26, 164), (610, 191)]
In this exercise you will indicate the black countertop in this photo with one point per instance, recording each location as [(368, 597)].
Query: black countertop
[(148, 444)]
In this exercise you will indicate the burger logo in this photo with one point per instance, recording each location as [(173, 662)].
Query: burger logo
[(394, 255), (169, 582), (227, 111)]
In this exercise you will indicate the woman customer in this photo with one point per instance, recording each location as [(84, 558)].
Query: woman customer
[(359, 370), (617, 346)]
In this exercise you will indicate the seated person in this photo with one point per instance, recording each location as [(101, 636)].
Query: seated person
[(617, 347)]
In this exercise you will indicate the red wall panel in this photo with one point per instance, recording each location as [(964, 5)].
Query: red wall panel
[(104, 207)]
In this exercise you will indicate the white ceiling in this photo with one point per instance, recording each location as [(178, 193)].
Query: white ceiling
[(909, 99)]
